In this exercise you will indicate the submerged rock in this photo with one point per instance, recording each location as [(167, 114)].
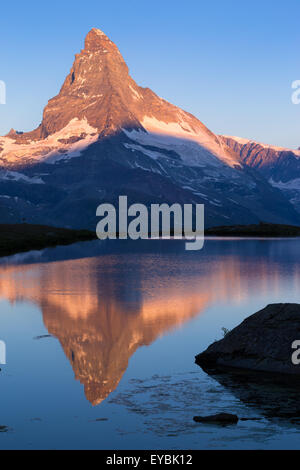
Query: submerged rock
[(266, 396), (220, 418), (262, 342)]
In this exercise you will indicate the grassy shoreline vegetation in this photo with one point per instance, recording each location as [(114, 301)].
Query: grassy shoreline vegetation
[(17, 238)]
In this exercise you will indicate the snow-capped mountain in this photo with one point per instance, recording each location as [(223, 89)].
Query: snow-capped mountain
[(280, 166), (103, 136)]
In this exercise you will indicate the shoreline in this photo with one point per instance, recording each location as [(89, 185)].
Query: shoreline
[(20, 238)]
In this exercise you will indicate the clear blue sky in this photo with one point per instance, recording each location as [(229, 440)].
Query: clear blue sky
[(229, 62)]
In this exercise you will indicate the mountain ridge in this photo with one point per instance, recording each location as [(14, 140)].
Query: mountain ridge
[(279, 165)]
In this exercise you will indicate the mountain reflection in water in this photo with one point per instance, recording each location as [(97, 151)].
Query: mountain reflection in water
[(103, 308)]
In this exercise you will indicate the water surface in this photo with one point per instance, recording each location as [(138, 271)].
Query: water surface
[(101, 339)]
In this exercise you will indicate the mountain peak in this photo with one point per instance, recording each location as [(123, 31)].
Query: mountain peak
[(96, 39), (96, 31), (99, 94)]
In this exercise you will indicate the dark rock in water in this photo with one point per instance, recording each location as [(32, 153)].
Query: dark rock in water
[(219, 418), (254, 363), (261, 343), (250, 419)]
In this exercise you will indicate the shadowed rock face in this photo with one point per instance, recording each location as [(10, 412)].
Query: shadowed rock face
[(274, 162), (262, 342)]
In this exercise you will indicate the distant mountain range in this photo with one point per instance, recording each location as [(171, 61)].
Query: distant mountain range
[(103, 136), (280, 166)]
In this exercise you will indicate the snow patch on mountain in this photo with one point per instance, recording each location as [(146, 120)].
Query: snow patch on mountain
[(149, 153), (191, 151), (136, 95), (183, 131), (69, 142), (16, 176), (289, 185)]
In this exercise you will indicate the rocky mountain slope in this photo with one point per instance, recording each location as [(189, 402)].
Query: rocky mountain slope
[(280, 166), (103, 136)]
